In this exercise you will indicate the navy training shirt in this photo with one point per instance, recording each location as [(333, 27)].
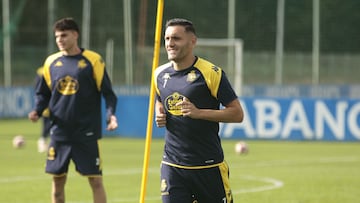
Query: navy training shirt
[(192, 142), (72, 87)]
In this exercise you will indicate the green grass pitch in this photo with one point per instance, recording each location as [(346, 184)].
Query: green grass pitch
[(272, 171)]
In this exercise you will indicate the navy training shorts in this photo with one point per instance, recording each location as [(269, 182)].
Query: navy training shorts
[(206, 185), (85, 156)]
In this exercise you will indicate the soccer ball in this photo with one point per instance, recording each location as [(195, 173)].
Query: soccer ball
[(241, 148), (18, 141)]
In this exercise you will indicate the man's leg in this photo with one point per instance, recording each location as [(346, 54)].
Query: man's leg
[(58, 189), (98, 189)]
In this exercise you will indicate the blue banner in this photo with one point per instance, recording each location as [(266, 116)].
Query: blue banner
[(16, 101), (297, 119), (132, 114), (265, 118)]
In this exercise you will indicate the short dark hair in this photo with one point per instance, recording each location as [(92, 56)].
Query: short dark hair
[(189, 27), (66, 24)]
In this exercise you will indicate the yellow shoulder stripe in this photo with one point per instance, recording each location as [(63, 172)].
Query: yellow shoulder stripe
[(98, 66), (46, 67), (211, 73)]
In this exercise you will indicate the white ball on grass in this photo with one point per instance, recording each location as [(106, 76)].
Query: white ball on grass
[(241, 148), (18, 142)]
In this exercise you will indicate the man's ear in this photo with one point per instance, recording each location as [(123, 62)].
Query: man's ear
[(76, 34), (193, 40)]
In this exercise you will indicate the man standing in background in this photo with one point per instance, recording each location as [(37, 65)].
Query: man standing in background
[(74, 79)]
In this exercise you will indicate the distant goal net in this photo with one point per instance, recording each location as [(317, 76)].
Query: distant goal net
[(225, 53)]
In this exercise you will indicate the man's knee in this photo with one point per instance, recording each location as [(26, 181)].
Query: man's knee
[(96, 182)]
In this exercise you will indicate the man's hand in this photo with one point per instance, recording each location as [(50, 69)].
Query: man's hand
[(33, 116), (160, 117), (160, 120), (188, 108), (112, 124)]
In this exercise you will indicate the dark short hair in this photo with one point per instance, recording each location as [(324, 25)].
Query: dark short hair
[(66, 24), (188, 25)]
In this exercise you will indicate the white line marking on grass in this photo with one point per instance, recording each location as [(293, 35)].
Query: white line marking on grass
[(274, 184), (127, 200), (269, 183), (338, 159), (13, 179), (21, 179), (320, 160)]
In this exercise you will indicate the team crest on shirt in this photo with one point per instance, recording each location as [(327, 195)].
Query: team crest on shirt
[(58, 64), (81, 63), (67, 85), (171, 101), (191, 76)]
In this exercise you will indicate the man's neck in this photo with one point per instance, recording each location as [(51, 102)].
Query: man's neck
[(72, 52), (184, 64)]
